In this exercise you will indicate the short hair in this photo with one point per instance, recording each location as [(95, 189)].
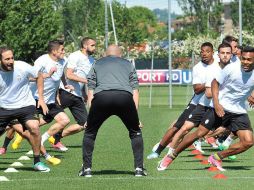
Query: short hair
[(4, 49), (85, 40), (228, 39), (207, 44), (248, 49), (224, 45), (54, 44)]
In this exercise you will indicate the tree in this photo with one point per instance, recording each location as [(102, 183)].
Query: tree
[(247, 14), (28, 25), (206, 15)]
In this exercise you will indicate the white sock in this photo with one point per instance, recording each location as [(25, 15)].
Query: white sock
[(171, 150), (44, 137), (228, 141)]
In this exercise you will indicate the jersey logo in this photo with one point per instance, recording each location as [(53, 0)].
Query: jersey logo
[(206, 121), (190, 116)]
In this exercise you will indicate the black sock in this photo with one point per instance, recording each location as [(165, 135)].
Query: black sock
[(58, 137), (36, 159), (138, 151), (160, 149), (6, 142)]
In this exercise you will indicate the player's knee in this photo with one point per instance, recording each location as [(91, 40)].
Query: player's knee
[(135, 134), (64, 121), (248, 144), (34, 130)]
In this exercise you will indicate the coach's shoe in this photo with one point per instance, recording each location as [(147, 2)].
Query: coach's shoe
[(51, 140), (85, 172), (139, 172), (153, 155), (60, 146), (52, 160), (40, 166), (164, 163), (2, 151), (16, 144), (216, 163)]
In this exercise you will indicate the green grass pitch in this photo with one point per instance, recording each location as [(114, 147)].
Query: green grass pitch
[(113, 160)]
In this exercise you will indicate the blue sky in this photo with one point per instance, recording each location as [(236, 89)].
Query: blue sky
[(153, 4)]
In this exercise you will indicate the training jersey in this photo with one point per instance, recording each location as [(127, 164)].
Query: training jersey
[(51, 84), (211, 73), (198, 77), (81, 65), (235, 87), (14, 86)]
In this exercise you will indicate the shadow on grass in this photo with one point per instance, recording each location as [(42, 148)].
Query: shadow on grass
[(112, 172)]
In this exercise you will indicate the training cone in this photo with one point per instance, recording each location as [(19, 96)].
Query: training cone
[(212, 169), (204, 162), (195, 152), (220, 176), (199, 157)]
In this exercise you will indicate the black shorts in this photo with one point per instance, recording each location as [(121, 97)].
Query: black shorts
[(197, 114), (75, 104), (210, 119), (182, 118), (22, 115), (54, 109), (235, 122)]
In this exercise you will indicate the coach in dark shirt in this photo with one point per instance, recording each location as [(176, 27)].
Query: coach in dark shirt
[(113, 90)]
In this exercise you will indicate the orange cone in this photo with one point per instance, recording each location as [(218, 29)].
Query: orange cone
[(195, 152), (199, 157), (220, 176), (204, 162), (212, 169)]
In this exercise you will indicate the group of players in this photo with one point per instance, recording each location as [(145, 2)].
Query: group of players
[(222, 84), (47, 88), (221, 81)]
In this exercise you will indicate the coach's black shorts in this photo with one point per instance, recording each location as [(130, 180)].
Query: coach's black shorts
[(182, 118), (75, 104), (236, 122), (197, 114), (54, 109), (21, 114)]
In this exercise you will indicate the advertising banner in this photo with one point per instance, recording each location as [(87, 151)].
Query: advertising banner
[(162, 76)]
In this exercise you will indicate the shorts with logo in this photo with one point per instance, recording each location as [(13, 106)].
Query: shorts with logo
[(236, 122), (75, 104), (182, 118), (54, 109), (197, 114), (22, 115), (210, 119)]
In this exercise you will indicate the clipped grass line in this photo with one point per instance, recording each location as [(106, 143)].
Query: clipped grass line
[(129, 178)]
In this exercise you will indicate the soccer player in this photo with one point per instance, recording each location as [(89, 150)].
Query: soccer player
[(16, 100), (78, 67), (113, 90), (198, 81), (230, 90)]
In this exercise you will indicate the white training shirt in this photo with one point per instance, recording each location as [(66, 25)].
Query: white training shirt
[(211, 73), (14, 86), (81, 65), (51, 84), (235, 87), (198, 77)]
